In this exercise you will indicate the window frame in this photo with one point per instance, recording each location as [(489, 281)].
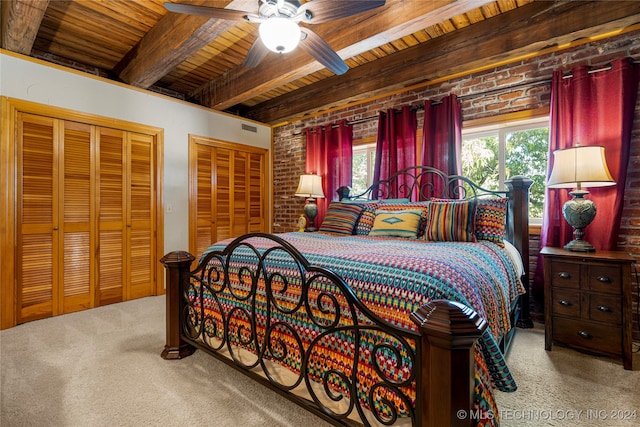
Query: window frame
[(502, 128)]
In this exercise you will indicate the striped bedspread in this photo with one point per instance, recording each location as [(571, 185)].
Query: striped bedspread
[(394, 277)]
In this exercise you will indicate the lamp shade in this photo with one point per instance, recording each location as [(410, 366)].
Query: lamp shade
[(310, 186), (280, 35), (580, 166)]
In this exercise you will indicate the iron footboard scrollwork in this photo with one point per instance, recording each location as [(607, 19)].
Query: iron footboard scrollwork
[(260, 306), (260, 301)]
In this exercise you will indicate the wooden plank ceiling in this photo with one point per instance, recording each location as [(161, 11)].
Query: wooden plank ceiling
[(198, 59)]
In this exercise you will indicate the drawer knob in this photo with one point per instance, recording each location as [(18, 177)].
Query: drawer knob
[(605, 309), (564, 303), (564, 275), (604, 279), (585, 335)]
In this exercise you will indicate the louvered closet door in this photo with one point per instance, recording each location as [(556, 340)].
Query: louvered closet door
[(112, 220), (222, 194), (37, 218), (141, 217), (240, 194), (77, 215), (229, 197), (204, 225), (55, 217), (256, 183)]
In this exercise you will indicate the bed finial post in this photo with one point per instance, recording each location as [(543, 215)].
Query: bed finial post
[(177, 265), (449, 331), (518, 230), (343, 192)]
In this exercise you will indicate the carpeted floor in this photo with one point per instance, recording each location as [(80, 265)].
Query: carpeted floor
[(102, 367)]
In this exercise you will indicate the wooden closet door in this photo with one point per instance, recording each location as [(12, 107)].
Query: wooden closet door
[(37, 218), (141, 217), (256, 197), (76, 227), (204, 222), (227, 196), (223, 194), (240, 205), (112, 220)]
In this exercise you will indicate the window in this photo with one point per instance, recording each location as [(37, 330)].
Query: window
[(492, 154), (362, 169)]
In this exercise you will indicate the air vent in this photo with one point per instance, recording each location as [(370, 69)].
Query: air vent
[(249, 128)]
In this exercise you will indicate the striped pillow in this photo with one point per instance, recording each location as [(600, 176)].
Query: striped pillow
[(451, 221), (397, 223), (491, 218), (341, 218)]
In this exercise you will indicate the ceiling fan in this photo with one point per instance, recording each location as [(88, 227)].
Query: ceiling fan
[(279, 26)]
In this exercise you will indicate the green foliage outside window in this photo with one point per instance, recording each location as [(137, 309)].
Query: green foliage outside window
[(525, 154)]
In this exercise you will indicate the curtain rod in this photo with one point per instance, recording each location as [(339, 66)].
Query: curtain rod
[(486, 92)]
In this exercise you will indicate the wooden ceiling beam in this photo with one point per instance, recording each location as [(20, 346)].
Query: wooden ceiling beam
[(173, 40), (349, 37), (20, 20), (514, 34)]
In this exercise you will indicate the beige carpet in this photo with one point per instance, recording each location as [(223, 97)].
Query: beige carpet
[(102, 367), (564, 387)]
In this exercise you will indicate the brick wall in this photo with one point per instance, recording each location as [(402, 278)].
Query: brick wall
[(484, 94)]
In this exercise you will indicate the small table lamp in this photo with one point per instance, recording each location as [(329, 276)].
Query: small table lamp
[(310, 186), (574, 168)]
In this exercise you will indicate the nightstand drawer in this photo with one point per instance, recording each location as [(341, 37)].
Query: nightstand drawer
[(588, 335), (565, 275), (605, 308), (566, 302), (605, 278)]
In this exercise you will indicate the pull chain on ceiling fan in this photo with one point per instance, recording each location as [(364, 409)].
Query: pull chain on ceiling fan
[(280, 31)]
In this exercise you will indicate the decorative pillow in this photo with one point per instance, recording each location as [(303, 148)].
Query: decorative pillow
[(451, 221), (365, 222), (424, 205), (394, 201), (491, 218), (402, 223), (341, 218)]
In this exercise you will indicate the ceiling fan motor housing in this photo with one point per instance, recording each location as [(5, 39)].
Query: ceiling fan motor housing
[(270, 8)]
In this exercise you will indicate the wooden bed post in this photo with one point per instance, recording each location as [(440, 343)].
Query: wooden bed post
[(177, 265), (518, 228), (449, 331)]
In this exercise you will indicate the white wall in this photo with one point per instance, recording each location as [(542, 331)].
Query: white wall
[(35, 81)]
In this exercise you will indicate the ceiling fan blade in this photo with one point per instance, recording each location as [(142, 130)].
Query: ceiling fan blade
[(211, 12), (315, 46), (256, 54), (328, 10)]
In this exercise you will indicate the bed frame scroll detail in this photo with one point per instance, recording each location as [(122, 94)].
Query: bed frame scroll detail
[(442, 365)]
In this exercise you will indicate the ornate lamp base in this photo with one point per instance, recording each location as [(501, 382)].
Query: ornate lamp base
[(311, 211), (579, 212), (577, 245)]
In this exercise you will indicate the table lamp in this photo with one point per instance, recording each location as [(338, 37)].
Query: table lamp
[(310, 186), (578, 167)]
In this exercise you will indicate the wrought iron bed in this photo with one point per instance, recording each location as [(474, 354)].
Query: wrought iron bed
[(437, 355)]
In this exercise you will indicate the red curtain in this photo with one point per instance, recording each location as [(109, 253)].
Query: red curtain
[(329, 154), (591, 108), (396, 144), (442, 137)]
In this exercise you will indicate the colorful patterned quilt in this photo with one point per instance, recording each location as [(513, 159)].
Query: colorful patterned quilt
[(393, 277)]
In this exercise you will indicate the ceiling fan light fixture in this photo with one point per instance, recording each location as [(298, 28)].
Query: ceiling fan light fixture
[(280, 35)]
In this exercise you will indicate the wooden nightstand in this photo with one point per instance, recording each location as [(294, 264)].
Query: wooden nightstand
[(588, 301)]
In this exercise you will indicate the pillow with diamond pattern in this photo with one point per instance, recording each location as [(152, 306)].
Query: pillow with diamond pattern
[(403, 223)]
